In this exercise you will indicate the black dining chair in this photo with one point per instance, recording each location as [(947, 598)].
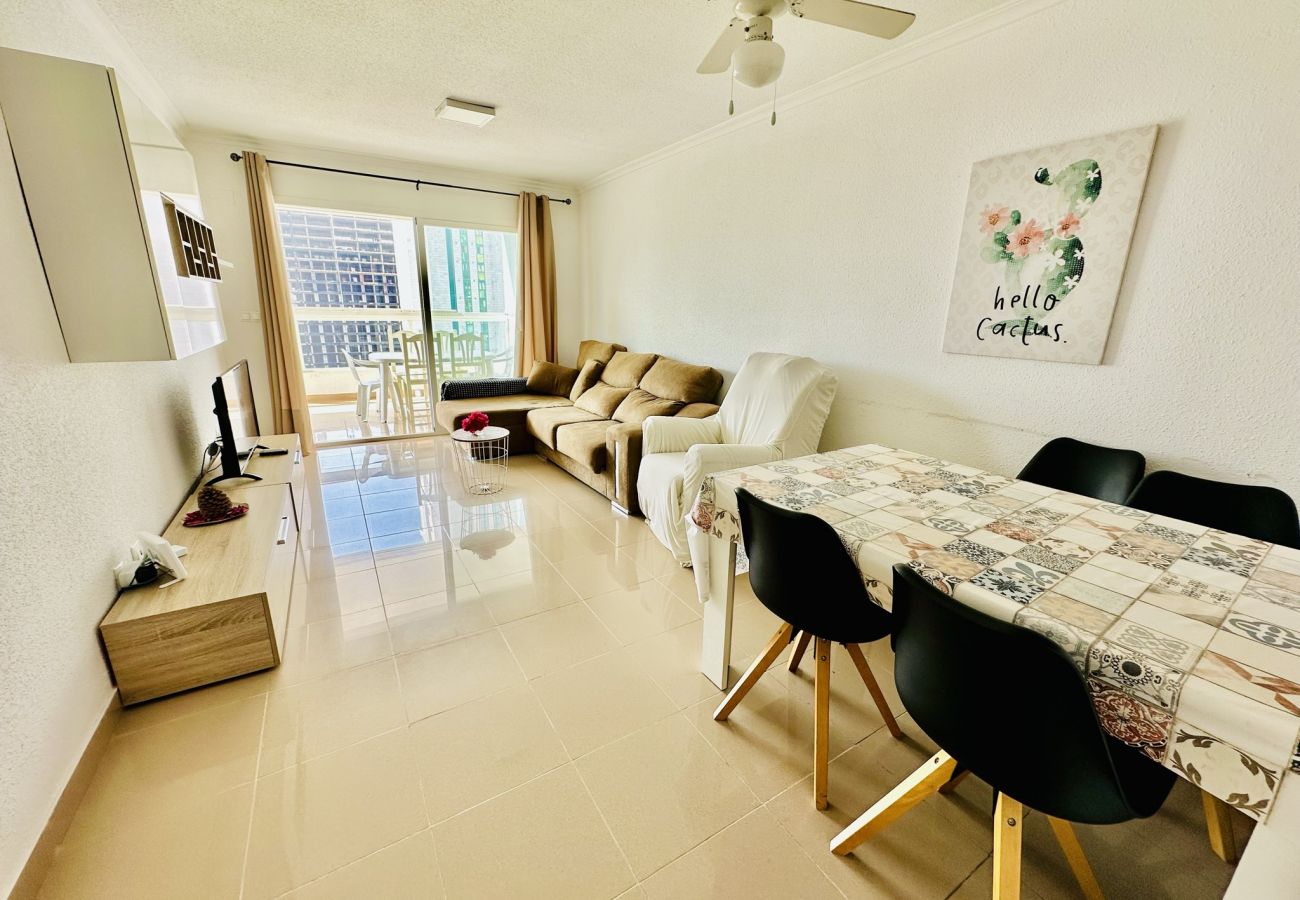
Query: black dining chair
[(799, 570), (1252, 510), (1105, 473), (1037, 742)]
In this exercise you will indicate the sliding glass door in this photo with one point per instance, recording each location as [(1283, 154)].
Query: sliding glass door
[(388, 308), (470, 277)]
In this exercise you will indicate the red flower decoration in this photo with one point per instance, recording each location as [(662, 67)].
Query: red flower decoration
[(474, 422)]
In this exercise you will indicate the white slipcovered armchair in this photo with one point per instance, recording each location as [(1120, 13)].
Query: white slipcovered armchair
[(775, 409)]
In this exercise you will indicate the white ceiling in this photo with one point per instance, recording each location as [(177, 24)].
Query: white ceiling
[(581, 86)]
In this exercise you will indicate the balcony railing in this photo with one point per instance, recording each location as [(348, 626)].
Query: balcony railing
[(331, 381)]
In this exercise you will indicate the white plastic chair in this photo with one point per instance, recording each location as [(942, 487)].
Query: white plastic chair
[(367, 384), (775, 409)]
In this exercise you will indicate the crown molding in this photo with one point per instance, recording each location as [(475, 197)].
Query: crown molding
[(944, 39), (130, 68)]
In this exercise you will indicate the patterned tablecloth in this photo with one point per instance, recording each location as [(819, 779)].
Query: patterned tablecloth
[(1189, 637)]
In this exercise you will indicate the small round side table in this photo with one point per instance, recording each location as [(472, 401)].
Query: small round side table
[(482, 459)]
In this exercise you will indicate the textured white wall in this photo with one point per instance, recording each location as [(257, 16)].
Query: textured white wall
[(89, 455), (833, 234)]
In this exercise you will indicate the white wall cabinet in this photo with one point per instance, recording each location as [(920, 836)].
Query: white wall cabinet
[(107, 256)]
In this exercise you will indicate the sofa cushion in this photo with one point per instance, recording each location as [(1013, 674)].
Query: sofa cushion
[(639, 404), (584, 443), (588, 375), (675, 380), (450, 412), (600, 351), (602, 399), (627, 369), (542, 423), (551, 378)]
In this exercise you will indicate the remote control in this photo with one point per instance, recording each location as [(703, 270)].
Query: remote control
[(280, 452)]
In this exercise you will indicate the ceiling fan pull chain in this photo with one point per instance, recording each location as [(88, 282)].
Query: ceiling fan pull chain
[(774, 103), (731, 105)]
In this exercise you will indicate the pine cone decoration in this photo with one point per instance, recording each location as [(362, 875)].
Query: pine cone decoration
[(214, 503)]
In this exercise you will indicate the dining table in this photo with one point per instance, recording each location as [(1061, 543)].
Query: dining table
[(1188, 637), (387, 360)]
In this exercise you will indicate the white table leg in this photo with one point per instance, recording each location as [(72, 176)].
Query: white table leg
[(385, 389), (715, 654)]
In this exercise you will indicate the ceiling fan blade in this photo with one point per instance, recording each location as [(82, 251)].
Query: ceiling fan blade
[(880, 21), (718, 59)]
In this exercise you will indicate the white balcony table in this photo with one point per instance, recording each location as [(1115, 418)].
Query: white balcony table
[(1189, 637), (387, 360)]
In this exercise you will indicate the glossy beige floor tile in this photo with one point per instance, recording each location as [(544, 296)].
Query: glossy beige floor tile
[(599, 701), (769, 737), (424, 621), (443, 677), (332, 644), (750, 860), (407, 870), (623, 530), (525, 593), (544, 839), (557, 639), (591, 574), (672, 659), (662, 790), (483, 748), (323, 563), (186, 758), (420, 577), (926, 853), (648, 609), (495, 554), (327, 714), (404, 545), (559, 544), (155, 847), (333, 597), (325, 813)]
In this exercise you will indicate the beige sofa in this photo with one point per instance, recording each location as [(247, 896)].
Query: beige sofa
[(587, 420)]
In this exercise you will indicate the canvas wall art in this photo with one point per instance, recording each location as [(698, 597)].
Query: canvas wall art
[(1043, 246)]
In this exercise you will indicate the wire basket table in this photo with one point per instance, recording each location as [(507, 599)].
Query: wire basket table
[(482, 459)]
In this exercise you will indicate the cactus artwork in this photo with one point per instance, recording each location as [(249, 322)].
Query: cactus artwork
[(1039, 228)]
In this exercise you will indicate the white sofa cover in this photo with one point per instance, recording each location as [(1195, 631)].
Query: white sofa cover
[(775, 409)]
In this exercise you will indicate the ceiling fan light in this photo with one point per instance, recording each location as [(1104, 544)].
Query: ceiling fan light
[(758, 63)]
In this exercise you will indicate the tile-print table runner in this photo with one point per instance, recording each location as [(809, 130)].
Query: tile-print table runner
[(1189, 637)]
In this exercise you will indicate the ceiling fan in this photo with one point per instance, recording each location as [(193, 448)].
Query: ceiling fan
[(746, 46)]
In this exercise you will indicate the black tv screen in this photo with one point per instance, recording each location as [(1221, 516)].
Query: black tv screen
[(233, 395)]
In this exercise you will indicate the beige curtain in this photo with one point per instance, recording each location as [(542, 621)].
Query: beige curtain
[(537, 340), (283, 357)]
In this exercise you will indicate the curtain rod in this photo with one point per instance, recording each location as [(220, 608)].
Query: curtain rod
[(235, 157)]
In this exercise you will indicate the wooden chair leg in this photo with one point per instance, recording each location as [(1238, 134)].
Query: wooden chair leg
[(1070, 846), (958, 776), (1218, 823), (913, 789), (864, 669), (753, 673), (821, 721), (797, 656), (1007, 825)]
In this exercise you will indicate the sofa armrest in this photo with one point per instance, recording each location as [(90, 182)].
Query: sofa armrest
[(674, 434), (468, 388), (705, 459), (623, 446), (697, 410)]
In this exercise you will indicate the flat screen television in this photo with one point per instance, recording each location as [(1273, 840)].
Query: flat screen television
[(232, 396)]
